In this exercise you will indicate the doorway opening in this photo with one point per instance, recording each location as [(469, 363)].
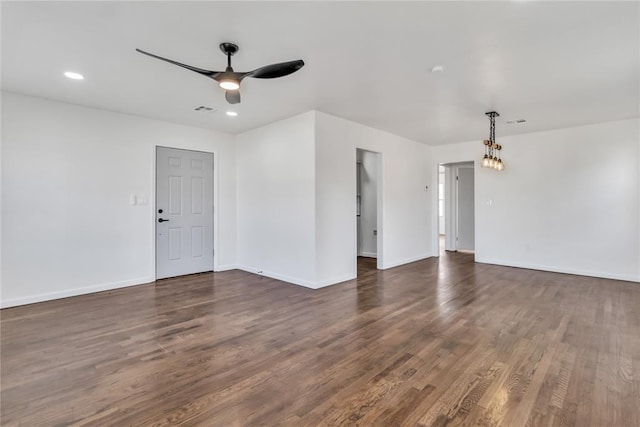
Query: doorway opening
[(441, 217), (368, 211), (184, 222), (456, 221)]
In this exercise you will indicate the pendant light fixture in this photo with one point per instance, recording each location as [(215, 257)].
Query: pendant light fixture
[(492, 158)]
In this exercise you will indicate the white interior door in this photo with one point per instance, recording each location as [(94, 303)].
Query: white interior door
[(184, 212), (465, 207)]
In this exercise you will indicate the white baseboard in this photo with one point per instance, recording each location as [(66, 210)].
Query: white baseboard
[(32, 299), (13, 302), (406, 261), (295, 281), (225, 267), (556, 269), (288, 279), (335, 280), (368, 254)]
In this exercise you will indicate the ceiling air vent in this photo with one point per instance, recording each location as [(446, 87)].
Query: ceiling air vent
[(205, 109)]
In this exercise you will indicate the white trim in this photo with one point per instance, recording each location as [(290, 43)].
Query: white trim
[(288, 279), (75, 292), (368, 254), (335, 281), (407, 261), (296, 281), (555, 269), (381, 206), (450, 207), (225, 268)]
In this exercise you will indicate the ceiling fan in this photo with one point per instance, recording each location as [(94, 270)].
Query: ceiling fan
[(229, 80)]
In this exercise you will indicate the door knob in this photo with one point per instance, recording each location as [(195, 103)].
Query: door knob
[(162, 220)]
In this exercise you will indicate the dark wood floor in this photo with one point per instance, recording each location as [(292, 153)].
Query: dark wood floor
[(436, 342)]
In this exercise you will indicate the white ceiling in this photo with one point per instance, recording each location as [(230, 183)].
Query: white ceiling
[(555, 64)]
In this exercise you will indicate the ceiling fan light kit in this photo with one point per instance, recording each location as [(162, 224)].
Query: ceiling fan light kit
[(492, 157), (229, 80), (229, 84)]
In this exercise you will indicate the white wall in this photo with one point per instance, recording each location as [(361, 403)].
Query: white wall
[(368, 220), (405, 234), (335, 223), (276, 200), (296, 192), (68, 172), (568, 200), (67, 176)]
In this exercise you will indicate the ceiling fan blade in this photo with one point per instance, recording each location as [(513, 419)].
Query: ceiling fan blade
[(232, 96), (208, 73), (276, 70)]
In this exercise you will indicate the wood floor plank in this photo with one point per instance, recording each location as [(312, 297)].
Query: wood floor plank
[(437, 342)]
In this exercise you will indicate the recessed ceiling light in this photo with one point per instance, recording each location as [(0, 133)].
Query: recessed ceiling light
[(437, 69), (73, 76), (232, 113), (516, 122)]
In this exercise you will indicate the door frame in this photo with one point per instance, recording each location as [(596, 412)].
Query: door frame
[(379, 209), (450, 207), (449, 173), (154, 162), (454, 215)]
